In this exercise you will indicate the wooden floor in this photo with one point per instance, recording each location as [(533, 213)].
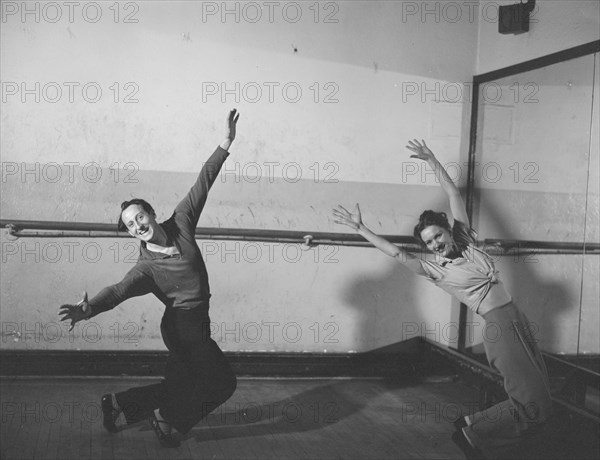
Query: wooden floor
[(265, 419)]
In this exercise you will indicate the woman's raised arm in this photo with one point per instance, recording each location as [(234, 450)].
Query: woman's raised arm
[(457, 206), (354, 221)]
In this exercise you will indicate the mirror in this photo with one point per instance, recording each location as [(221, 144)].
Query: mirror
[(536, 180), (589, 338)]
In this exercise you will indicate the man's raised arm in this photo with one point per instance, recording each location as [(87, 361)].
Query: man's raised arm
[(193, 203)]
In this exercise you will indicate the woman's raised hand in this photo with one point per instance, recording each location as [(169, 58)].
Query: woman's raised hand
[(342, 216), (422, 152)]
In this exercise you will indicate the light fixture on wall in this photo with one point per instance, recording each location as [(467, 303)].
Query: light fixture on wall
[(514, 19)]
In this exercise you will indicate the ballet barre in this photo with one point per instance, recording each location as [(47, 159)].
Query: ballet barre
[(499, 247)]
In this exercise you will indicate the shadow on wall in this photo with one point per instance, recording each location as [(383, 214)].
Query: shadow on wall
[(387, 306), (544, 301), (390, 302)]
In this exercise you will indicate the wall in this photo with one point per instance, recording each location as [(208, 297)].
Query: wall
[(371, 75), (109, 101)]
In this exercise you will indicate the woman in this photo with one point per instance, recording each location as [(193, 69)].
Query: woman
[(463, 270), (198, 377)]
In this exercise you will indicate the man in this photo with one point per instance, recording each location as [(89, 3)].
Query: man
[(198, 377)]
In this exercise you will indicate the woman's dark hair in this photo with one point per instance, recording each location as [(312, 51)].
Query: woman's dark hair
[(428, 218), (143, 203)]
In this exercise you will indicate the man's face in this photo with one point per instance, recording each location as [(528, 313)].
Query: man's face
[(438, 240), (140, 224)]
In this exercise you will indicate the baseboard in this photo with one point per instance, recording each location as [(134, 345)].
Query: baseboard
[(402, 360)]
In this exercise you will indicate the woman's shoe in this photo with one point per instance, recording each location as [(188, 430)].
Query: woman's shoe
[(165, 438), (461, 441)]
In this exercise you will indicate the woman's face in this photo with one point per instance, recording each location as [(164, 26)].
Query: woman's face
[(439, 241)]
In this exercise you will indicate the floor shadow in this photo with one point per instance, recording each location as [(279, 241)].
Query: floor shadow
[(309, 410)]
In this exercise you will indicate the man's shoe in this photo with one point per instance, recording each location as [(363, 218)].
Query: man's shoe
[(109, 414), (166, 439), (459, 423)]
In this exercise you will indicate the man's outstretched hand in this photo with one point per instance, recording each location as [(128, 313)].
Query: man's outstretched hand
[(75, 313), (231, 129)]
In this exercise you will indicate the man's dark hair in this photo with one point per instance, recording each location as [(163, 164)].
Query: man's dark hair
[(143, 203), (428, 218)]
